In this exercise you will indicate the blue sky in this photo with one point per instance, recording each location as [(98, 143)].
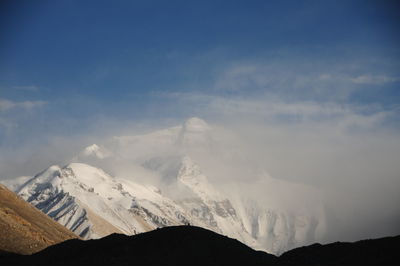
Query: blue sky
[(68, 66)]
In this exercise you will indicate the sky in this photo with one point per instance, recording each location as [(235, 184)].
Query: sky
[(312, 87), (84, 68)]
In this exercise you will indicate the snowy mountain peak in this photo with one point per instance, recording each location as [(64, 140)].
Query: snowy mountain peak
[(92, 149), (95, 151), (189, 170), (191, 176), (195, 124), (48, 176), (87, 173), (195, 134)]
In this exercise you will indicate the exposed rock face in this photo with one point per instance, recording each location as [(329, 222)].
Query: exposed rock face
[(24, 229)]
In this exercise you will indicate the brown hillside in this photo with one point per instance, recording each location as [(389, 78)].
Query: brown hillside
[(24, 229)]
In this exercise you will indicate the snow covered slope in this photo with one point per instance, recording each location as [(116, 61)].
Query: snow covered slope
[(179, 163), (93, 204)]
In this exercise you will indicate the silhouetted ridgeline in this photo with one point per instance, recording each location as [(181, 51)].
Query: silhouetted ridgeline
[(383, 251), (190, 245)]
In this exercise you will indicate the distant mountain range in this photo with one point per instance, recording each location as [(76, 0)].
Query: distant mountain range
[(160, 190), (189, 245), (94, 203)]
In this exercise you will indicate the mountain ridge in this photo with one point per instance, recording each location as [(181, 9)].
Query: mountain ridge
[(190, 245)]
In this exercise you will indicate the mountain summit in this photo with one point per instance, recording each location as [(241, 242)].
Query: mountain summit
[(195, 124), (195, 133)]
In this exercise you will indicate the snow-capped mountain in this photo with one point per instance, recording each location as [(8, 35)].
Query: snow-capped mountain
[(158, 179), (93, 204)]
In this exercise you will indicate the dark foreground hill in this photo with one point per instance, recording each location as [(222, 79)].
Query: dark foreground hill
[(189, 245), (177, 245), (383, 251)]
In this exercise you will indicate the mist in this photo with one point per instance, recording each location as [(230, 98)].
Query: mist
[(357, 173)]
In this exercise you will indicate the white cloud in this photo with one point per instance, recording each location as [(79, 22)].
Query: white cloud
[(12, 113), (374, 79), (273, 109), (298, 80), (6, 104)]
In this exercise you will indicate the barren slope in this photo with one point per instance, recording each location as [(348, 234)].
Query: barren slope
[(24, 229)]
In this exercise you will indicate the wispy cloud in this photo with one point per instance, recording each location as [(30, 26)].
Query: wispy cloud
[(5, 123), (374, 79), (13, 113), (6, 104), (305, 80), (26, 88), (273, 109), (297, 80)]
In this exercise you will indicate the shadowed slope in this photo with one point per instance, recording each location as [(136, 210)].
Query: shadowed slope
[(383, 251), (189, 245), (177, 245), (24, 229)]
